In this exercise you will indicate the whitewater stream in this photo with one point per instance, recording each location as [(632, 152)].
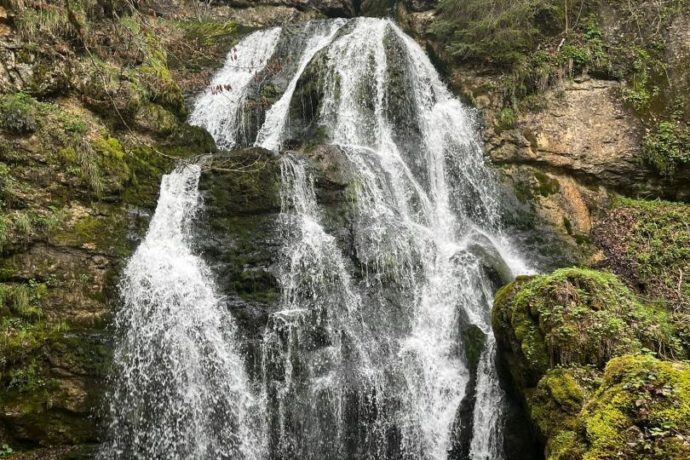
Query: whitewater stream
[(364, 359)]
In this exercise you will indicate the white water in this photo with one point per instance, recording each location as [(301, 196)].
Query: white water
[(218, 108), (270, 134), (180, 390), (359, 361)]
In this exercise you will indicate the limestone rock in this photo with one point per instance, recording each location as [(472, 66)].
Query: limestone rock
[(583, 130)]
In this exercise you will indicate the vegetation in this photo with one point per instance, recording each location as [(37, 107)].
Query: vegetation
[(641, 410), (667, 146), (580, 317), (97, 122), (648, 244), (581, 347), (534, 44), (18, 113)]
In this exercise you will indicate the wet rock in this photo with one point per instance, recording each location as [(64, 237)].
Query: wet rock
[(239, 236)]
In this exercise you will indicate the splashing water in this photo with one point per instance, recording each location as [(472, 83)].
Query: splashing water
[(180, 390), (270, 135), (218, 109)]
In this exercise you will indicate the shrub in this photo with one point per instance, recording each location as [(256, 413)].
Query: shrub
[(18, 113)]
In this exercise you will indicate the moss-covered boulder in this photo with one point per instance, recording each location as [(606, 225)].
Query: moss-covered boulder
[(641, 410), (562, 336), (575, 317)]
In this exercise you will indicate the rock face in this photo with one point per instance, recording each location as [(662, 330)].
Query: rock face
[(583, 130), (241, 235)]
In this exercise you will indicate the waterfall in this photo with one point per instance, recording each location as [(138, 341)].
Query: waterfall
[(270, 135), (218, 109), (180, 390), (366, 353)]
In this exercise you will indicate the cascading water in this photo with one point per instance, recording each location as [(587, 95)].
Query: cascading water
[(218, 109), (365, 355), (180, 390)]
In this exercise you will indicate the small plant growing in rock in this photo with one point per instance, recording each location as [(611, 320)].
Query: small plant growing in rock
[(667, 147), (18, 113), (5, 450)]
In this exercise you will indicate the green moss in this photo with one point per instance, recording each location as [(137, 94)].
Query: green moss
[(642, 410), (580, 317), (23, 327), (555, 403), (547, 185), (20, 227), (474, 341), (667, 147), (5, 450), (105, 230)]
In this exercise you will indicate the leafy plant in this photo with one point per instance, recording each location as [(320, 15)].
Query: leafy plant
[(18, 113), (6, 450), (667, 147)]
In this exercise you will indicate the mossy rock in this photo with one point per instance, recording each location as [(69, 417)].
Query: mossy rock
[(640, 411), (575, 317), (242, 182)]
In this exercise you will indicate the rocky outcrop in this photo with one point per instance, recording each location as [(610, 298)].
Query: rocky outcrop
[(241, 233), (561, 334), (584, 131)]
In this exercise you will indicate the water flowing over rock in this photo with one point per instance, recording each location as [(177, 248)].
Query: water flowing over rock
[(218, 110), (180, 389), (390, 249)]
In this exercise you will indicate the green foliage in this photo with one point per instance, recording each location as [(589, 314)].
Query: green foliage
[(499, 32), (5, 450), (29, 224), (507, 118), (667, 147), (207, 33), (648, 244), (23, 326), (47, 19), (18, 113)]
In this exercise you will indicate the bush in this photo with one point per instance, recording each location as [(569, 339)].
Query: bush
[(18, 113)]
